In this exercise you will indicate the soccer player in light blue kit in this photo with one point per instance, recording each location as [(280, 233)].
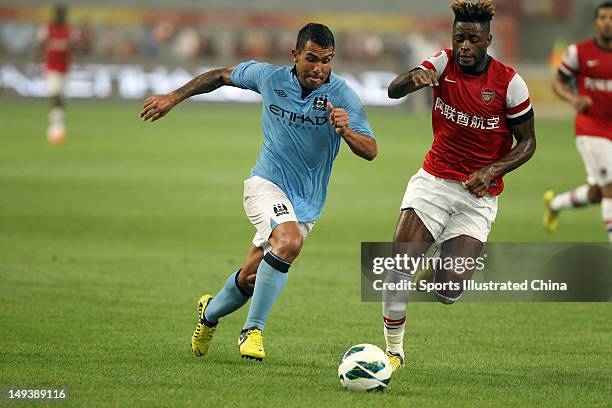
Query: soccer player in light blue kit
[(307, 111)]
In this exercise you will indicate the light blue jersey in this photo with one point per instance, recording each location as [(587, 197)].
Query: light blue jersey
[(300, 145)]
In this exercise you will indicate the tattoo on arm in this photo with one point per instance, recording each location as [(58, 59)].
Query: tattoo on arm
[(206, 82)]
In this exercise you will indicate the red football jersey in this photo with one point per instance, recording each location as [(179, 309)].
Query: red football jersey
[(471, 117), (57, 48), (591, 66)]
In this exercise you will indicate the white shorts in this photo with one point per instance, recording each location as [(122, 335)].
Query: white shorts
[(596, 153), (56, 81), (447, 209), (267, 205)]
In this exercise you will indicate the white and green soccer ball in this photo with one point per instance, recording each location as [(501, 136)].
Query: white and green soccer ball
[(364, 368)]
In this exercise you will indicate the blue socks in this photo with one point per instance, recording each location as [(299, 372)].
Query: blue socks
[(229, 299), (270, 281)]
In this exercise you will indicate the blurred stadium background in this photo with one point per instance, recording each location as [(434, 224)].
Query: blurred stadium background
[(129, 49)]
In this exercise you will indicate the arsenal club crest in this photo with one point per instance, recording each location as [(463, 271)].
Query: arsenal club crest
[(487, 96)]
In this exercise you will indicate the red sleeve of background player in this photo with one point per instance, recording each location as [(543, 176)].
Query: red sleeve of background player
[(569, 63)]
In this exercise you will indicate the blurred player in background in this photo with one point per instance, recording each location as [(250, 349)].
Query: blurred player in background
[(55, 38), (588, 65), (286, 191), (479, 105)]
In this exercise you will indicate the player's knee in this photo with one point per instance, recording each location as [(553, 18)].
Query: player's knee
[(595, 193), (606, 191), (56, 101), (288, 247)]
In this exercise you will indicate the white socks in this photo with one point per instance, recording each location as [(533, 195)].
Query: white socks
[(579, 198), (571, 199), (394, 304), (56, 117), (56, 133)]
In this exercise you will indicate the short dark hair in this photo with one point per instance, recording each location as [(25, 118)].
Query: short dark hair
[(605, 4), (317, 33), (467, 12)]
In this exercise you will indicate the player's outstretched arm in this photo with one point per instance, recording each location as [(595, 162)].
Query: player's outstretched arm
[(524, 133), (412, 81), (362, 145), (158, 106), (564, 90)]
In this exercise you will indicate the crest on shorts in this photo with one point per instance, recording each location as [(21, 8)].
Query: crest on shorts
[(320, 102), (487, 95), (280, 209)]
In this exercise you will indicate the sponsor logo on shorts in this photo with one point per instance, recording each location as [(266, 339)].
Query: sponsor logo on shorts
[(280, 209)]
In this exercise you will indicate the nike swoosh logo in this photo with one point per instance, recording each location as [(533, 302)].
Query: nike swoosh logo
[(592, 63), (450, 80)]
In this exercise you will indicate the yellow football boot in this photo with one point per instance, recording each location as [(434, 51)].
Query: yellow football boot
[(251, 345), (396, 361), (203, 334), (551, 217)]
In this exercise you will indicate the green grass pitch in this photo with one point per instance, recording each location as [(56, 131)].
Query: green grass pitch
[(107, 241)]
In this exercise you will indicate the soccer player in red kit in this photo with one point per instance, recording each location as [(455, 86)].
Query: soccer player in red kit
[(479, 105), (589, 65), (56, 39)]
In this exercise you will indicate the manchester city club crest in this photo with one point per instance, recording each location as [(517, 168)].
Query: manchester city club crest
[(320, 102), (487, 96)]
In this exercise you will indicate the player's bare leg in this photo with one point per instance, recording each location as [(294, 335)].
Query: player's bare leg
[(57, 130), (413, 239), (462, 246), (246, 277), (606, 208), (286, 243), (580, 197)]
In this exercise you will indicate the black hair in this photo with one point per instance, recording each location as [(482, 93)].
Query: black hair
[(481, 12), (605, 4), (317, 33)]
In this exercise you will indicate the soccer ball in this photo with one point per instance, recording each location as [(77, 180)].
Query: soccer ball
[(364, 368)]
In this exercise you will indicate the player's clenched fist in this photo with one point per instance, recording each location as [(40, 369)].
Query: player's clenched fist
[(339, 119), (478, 182), (157, 106), (423, 78)]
